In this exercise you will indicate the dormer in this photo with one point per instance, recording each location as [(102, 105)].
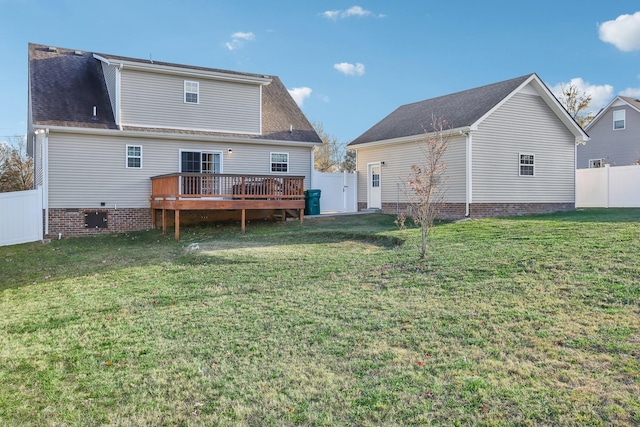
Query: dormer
[(157, 95)]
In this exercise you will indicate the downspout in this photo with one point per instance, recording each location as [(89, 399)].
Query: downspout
[(45, 180), (469, 181), (575, 173)]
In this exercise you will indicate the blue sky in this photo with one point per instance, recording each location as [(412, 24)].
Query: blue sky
[(347, 63)]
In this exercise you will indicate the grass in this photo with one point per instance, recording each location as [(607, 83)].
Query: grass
[(522, 321)]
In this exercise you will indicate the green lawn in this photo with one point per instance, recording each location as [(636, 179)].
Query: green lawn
[(523, 321)]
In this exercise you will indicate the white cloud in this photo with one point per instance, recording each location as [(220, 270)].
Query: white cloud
[(239, 39), (631, 92), (299, 94), (623, 33), (331, 14), (350, 69), (352, 11), (356, 11), (600, 94)]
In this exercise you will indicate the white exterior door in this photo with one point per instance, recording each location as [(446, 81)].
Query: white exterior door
[(374, 199)]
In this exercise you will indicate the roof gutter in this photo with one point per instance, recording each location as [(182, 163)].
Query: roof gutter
[(404, 139), (189, 72), (171, 136)]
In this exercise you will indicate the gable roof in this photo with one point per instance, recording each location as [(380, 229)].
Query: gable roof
[(631, 102), (464, 109), (65, 85)]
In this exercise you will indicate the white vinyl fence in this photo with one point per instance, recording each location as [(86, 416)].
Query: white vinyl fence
[(20, 217), (338, 191), (608, 187)]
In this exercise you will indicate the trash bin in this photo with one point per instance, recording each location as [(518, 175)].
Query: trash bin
[(312, 202)]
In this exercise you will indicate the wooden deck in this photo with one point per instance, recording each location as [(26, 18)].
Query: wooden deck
[(204, 191)]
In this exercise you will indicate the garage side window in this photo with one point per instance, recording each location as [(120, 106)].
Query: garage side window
[(527, 163)]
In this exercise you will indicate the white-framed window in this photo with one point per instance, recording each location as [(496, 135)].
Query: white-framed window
[(280, 162), (596, 163), (191, 92), (618, 119), (527, 163), (134, 156)]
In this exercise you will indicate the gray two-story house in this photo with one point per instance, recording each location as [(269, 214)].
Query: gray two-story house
[(615, 136), (124, 144)]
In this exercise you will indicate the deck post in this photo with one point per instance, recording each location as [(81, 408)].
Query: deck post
[(301, 216), (177, 224), (243, 219), (164, 221)]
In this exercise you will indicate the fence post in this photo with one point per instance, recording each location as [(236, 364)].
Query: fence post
[(608, 184)]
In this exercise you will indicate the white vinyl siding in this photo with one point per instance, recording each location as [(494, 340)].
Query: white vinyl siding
[(87, 170), (109, 72), (524, 124), (398, 159), (157, 100)]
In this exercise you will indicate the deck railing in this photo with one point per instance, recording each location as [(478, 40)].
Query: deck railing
[(227, 186)]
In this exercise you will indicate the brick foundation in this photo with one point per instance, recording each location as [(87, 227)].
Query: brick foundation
[(70, 222), (492, 210), (453, 211)]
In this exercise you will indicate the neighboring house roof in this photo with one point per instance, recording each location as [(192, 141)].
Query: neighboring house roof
[(66, 84), (631, 102), (464, 109)]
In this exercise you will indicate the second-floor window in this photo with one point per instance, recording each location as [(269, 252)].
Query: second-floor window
[(280, 162), (191, 92), (618, 119)]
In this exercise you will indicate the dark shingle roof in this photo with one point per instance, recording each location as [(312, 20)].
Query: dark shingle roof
[(65, 85), (458, 109)]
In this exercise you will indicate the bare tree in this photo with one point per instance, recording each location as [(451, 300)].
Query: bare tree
[(576, 102), (328, 156), (424, 187), (16, 168)]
